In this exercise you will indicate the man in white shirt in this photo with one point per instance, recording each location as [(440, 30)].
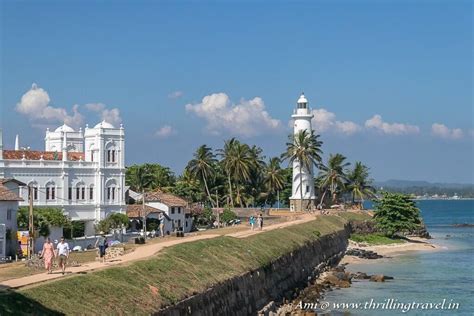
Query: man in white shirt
[(63, 253)]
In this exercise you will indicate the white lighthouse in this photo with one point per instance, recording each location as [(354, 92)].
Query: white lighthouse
[(305, 180)]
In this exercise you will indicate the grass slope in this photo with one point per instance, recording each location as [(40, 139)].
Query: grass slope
[(175, 273)]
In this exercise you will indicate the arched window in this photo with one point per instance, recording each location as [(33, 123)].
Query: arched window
[(50, 191), (34, 190), (80, 191), (91, 192), (111, 152), (110, 190)]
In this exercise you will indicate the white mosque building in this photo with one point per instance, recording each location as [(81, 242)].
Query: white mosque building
[(82, 172), (302, 116)]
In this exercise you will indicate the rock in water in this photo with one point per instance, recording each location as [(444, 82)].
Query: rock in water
[(380, 278)]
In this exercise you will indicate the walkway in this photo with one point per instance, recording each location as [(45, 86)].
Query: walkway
[(140, 253)]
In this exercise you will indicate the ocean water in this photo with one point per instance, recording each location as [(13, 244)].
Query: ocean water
[(423, 279)]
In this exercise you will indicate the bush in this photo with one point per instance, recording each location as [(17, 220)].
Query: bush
[(43, 219), (396, 213), (206, 217), (227, 215), (114, 220)]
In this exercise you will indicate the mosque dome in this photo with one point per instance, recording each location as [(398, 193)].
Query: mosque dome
[(104, 124), (64, 128)]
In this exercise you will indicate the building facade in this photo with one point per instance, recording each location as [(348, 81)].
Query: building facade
[(81, 172), (303, 182)]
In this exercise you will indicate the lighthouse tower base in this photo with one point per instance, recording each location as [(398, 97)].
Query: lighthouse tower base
[(305, 205)]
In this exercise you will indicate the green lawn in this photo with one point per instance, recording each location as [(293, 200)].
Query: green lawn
[(175, 273), (375, 239), (355, 216)]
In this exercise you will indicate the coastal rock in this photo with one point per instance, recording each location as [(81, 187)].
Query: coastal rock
[(360, 276), (363, 227), (380, 278), (361, 253)]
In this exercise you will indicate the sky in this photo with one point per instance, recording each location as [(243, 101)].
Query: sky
[(389, 82)]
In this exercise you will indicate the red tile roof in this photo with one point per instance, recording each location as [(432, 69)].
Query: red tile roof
[(6, 194), (165, 198), (36, 155), (135, 210)]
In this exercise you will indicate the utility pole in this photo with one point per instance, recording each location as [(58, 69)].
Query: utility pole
[(31, 229), (218, 212)]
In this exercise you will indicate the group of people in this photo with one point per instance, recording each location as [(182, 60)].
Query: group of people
[(62, 252), (49, 253), (256, 222)]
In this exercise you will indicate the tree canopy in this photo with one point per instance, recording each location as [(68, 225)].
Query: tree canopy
[(396, 213)]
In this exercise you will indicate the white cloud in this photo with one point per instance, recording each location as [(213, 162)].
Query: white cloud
[(35, 105), (165, 131), (247, 118), (441, 130), (377, 123), (176, 94), (111, 116), (324, 120)]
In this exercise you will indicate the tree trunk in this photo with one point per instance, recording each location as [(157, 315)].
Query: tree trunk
[(230, 191), (144, 215), (322, 198), (207, 190), (301, 188)]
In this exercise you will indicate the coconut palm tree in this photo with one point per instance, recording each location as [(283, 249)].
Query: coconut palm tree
[(202, 167), (237, 163), (332, 176), (360, 185), (139, 179), (304, 148), (273, 177)]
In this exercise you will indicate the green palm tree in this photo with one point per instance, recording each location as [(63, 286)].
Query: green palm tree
[(304, 148), (273, 177), (332, 176), (237, 163), (139, 180), (202, 167), (360, 185)]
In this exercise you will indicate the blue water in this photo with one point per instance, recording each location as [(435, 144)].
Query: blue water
[(422, 276)]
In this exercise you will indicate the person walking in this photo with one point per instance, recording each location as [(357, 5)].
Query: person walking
[(161, 218), (48, 255), (252, 222), (63, 250), (101, 242), (260, 221)]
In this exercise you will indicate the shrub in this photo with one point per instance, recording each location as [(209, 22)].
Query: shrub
[(396, 213)]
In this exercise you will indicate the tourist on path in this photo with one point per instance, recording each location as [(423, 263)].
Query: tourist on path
[(161, 218), (48, 254), (252, 222), (63, 253), (260, 221), (101, 242)]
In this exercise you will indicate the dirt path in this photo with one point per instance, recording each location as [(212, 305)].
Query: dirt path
[(140, 253)]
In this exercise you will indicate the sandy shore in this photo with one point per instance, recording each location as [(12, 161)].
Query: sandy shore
[(393, 250)]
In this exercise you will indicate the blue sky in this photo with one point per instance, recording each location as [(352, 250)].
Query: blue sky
[(150, 64)]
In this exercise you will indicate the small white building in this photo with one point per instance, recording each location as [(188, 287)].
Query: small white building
[(81, 172), (176, 210), (9, 199)]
